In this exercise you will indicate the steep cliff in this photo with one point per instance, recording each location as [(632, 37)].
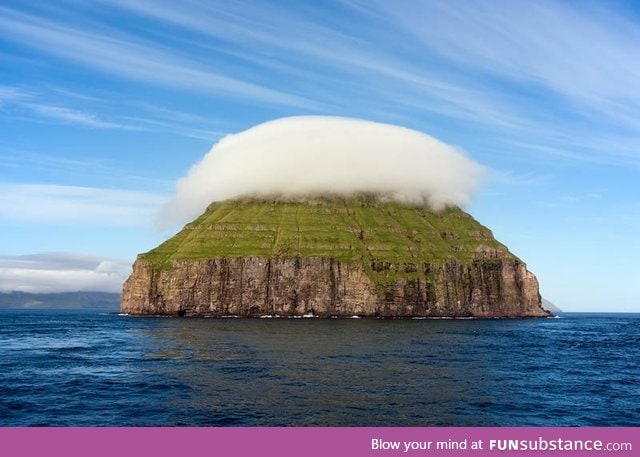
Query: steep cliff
[(331, 257)]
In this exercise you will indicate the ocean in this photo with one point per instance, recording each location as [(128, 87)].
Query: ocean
[(92, 368)]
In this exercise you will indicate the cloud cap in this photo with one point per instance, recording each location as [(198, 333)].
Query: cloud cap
[(310, 155)]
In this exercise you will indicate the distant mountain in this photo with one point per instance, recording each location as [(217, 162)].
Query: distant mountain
[(63, 300), (546, 304)]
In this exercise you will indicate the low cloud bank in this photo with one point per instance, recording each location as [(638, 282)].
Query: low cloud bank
[(62, 272), (312, 155)]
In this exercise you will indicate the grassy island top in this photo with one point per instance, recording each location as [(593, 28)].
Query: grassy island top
[(355, 229)]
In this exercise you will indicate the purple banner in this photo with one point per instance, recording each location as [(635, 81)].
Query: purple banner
[(317, 442)]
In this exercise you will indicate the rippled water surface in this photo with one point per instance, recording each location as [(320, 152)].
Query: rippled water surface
[(90, 368)]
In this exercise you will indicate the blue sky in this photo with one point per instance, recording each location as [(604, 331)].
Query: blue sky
[(105, 104)]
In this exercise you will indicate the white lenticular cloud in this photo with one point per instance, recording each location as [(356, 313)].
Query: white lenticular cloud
[(310, 155)]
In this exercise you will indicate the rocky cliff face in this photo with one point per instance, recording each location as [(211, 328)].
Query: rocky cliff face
[(379, 269), (256, 286)]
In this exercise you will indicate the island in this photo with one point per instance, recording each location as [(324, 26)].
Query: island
[(332, 256)]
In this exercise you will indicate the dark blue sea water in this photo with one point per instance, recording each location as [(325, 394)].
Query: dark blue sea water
[(80, 368)]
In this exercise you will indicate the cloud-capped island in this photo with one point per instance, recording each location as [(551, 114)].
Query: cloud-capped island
[(329, 217)]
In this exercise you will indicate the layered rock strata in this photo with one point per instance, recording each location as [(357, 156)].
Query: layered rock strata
[(320, 286)]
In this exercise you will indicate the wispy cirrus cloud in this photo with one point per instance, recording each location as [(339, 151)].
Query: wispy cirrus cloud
[(158, 118), (38, 105), (382, 74), (126, 57), (75, 205), (73, 116), (545, 72), (504, 65), (11, 94), (587, 54), (31, 101)]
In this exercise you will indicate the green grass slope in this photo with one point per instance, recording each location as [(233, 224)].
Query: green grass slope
[(358, 229)]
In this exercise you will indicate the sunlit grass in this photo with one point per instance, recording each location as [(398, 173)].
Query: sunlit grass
[(358, 229)]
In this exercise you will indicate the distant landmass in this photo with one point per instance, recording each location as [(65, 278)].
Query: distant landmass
[(549, 306), (63, 300), (332, 257)]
